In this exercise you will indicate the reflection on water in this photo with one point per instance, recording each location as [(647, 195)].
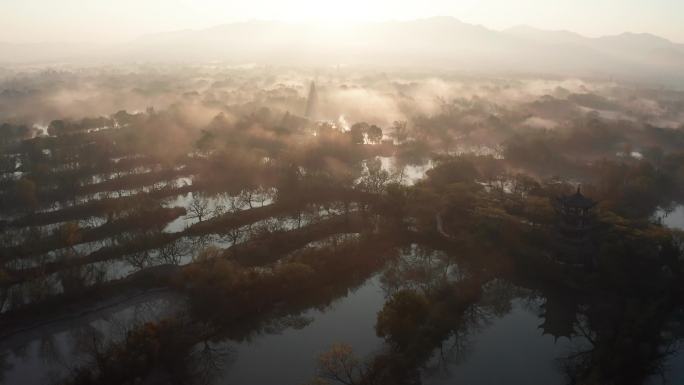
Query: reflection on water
[(510, 335), (212, 206), (505, 328), (674, 370), (674, 219), (290, 356), (38, 356), (406, 174), (511, 349)]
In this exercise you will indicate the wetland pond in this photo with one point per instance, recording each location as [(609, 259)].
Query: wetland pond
[(511, 335)]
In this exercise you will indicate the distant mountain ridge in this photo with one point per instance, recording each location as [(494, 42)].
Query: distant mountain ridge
[(439, 42)]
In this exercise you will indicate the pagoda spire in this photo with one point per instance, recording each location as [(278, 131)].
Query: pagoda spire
[(312, 102)]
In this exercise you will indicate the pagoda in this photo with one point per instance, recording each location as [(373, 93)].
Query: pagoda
[(576, 224), (576, 214), (312, 103)]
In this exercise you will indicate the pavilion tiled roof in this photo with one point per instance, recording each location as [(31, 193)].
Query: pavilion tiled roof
[(577, 200)]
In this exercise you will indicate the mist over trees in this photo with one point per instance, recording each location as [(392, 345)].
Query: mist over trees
[(174, 213)]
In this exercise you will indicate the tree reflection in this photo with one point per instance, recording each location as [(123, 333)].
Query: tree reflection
[(625, 341), (428, 323), (419, 268)]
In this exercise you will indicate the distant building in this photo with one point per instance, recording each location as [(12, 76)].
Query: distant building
[(577, 222), (576, 214), (312, 103)]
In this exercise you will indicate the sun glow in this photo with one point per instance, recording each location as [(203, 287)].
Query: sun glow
[(123, 20)]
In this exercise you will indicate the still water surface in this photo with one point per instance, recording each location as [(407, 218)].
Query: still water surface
[(509, 347), (514, 343)]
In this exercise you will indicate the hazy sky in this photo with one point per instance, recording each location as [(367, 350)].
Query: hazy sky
[(121, 20)]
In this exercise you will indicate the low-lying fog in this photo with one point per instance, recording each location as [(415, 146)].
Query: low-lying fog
[(204, 223)]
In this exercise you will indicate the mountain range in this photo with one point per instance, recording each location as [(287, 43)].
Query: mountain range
[(439, 42)]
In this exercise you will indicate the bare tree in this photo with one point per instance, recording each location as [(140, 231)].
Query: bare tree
[(246, 197), (199, 208), (172, 253), (374, 178), (235, 235), (223, 205), (341, 365), (264, 195), (139, 260)]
